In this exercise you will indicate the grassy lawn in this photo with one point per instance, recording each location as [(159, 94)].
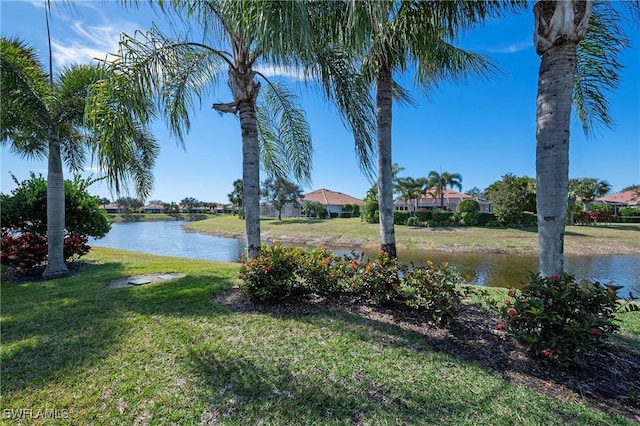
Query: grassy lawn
[(601, 239), (165, 353)]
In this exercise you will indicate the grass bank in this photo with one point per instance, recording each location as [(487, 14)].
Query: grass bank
[(165, 353), (154, 217), (351, 233)]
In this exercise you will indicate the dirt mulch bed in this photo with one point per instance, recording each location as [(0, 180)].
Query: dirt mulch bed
[(609, 381)]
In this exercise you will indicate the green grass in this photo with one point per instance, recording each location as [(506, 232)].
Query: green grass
[(164, 353), (601, 239)]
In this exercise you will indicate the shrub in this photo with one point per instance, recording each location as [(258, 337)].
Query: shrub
[(356, 210), (400, 217), (629, 215), (441, 218), (320, 271), (468, 206), (75, 246), (468, 218), (370, 212), (345, 215), (529, 220), (485, 218), (433, 290), (559, 318), (423, 215), (414, 221), (23, 252), (378, 279), (271, 275)]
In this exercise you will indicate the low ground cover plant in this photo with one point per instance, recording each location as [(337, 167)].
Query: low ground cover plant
[(280, 272)]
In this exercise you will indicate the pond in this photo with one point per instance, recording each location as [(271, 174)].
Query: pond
[(486, 269)]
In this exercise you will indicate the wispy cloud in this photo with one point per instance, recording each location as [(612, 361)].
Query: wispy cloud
[(285, 72), (512, 48)]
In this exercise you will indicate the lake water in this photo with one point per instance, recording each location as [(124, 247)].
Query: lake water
[(488, 269)]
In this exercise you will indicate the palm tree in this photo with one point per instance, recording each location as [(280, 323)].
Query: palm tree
[(43, 115), (588, 189), (440, 182), (401, 35), (236, 197), (578, 42), (411, 189), (173, 72)]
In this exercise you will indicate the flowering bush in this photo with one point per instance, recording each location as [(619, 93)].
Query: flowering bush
[(378, 279), (320, 271), (272, 275), (559, 318), (434, 290)]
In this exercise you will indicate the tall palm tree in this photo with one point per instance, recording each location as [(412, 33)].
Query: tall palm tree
[(399, 36), (411, 189), (173, 72), (578, 42), (588, 189), (440, 182), (43, 116)]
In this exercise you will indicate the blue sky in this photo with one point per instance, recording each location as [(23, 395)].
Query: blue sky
[(480, 129)]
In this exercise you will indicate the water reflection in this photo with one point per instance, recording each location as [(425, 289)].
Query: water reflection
[(486, 269)]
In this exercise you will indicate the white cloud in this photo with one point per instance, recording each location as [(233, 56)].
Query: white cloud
[(286, 72), (512, 48)]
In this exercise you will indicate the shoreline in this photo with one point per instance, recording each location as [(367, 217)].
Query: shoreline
[(349, 243)]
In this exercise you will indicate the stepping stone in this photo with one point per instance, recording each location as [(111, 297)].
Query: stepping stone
[(167, 276), (139, 281)]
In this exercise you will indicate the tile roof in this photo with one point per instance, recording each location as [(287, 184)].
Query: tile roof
[(327, 197), (628, 197)]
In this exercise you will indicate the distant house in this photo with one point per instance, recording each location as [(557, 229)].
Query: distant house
[(223, 208), (112, 208), (153, 208), (621, 199), (332, 200), (451, 201)]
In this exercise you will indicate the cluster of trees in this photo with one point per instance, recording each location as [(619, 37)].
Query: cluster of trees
[(153, 74), (434, 184)]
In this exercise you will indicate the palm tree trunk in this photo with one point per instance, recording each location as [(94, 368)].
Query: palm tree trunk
[(56, 266), (385, 184), (559, 28), (250, 175), (555, 86)]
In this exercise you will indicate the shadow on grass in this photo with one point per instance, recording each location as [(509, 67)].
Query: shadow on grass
[(60, 325), (276, 222)]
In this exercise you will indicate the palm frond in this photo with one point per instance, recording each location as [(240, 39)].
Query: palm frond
[(24, 104), (287, 142), (598, 68)]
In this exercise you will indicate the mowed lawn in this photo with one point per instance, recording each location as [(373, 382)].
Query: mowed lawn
[(165, 353), (599, 239)]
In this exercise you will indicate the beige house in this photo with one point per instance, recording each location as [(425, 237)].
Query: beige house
[(332, 200), (621, 199), (451, 201)]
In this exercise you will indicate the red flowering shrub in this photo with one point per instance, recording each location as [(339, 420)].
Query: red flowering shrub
[(320, 271), (378, 278), (75, 246), (559, 318)]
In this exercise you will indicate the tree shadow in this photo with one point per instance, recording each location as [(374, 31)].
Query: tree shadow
[(472, 340), (305, 221), (70, 323)]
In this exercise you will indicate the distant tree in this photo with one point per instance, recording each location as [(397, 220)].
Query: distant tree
[(314, 209), (279, 192), (440, 181), (475, 192), (634, 187), (102, 201), (171, 208), (370, 206), (411, 189), (236, 197), (510, 197), (129, 204), (588, 189), (189, 204)]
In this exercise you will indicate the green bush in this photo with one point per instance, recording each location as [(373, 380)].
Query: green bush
[(529, 220), (400, 217), (414, 221), (433, 290), (560, 319), (370, 212), (486, 218), (629, 215), (378, 279), (356, 210), (272, 275), (320, 271), (423, 215), (345, 215), (441, 218), (468, 206), (468, 218), (601, 207)]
